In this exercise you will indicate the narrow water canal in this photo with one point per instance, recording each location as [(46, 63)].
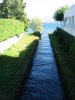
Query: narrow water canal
[(43, 82)]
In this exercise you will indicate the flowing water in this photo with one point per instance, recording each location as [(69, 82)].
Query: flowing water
[(43, 82)]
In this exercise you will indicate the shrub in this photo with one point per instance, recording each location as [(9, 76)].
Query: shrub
[(37, 33), (67, 41), (9, 28)]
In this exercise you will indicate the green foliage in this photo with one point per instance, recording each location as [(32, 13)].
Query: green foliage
[(66, 65), (36, 24), (14, 9), (10, 27), (14, 66), (36, 34), (26, 23), (67, 40), (59, 14)]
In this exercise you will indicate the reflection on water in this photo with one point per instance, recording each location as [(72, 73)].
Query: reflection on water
[(43, 82)]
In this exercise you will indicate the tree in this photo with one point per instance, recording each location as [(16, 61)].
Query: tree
[(36, 24), (59, 14), (14, 9), (1, 5), (27, 23)]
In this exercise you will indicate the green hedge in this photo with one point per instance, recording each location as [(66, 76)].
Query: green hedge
[(67, 41), (9, 28)]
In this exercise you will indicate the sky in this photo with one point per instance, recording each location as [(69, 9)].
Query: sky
[(0, 1), (45, 8)]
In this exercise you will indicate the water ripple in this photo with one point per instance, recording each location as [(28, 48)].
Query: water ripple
[(43, 82)]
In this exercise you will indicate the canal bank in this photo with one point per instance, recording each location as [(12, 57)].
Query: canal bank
[(43, 82), (66, 64)]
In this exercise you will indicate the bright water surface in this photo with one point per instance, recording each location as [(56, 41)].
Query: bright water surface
[(43, 82), (47, 27)]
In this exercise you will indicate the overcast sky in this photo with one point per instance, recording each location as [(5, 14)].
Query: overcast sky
[(45, 8)]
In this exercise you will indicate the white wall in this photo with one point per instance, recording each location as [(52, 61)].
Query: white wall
[(69, 21)]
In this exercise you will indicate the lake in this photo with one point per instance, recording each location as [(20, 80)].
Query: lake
[(47, 27)]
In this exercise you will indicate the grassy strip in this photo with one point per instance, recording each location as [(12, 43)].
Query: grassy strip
[(8, 27), (66, 67), (67, 41), (14, 64)]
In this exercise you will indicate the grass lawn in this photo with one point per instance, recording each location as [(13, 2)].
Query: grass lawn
[(13, 66), (66, 67)]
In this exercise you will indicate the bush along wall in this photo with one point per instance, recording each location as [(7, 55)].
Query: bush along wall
[(9, 28), (67, 41)]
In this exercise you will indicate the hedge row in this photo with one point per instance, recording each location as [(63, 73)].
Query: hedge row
[(9, 28), (67, 40)]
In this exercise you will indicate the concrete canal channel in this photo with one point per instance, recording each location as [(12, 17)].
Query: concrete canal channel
[(43, 83)]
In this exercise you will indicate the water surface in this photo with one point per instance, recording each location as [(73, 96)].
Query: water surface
[(43, 82)]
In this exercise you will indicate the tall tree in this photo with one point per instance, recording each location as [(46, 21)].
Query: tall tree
[(36, 24), (1, 7), (13, 8), (59, 14)]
